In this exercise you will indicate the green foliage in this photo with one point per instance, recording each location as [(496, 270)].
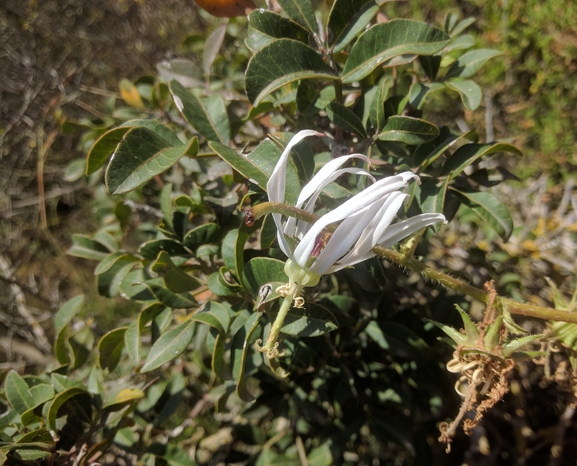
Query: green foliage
[(180, 163)]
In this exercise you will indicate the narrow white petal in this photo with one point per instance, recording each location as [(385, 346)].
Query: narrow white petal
[(401, 230), (391, 237), (344, 237), (376, 228), (298, 228), (359, 201), (276, 185), (325, 173)]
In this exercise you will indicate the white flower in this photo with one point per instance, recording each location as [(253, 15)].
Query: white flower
[(365, 219)]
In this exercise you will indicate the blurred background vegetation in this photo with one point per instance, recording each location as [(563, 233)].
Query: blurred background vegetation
[(61, 62)]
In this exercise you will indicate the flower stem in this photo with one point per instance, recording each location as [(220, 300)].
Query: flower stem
[(514, 307), (271, 346)]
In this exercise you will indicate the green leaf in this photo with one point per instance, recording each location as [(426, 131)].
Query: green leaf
[(233, 250), (377, 106), (419, 91), (432, 198), (122, 398), (133, 335), (109, 282), (346, 119), (261, 270), (244, 358), (265, 26), (241, 164), (169, 346), (266, 156), (349, 17), (430, 65), (175, 300), (302, 12), (219, 285), (282, 62), (141, 156), (176, 278), (156, 127), (462, 42), (512, 346), (151, 249), (107, 263), (61, 382), (212, 46), (17, 393), (208, 116), (166, 205), (200, 235), (86, 247), (470, 92), (110, 348), (426, 154), (384, 42), (398, 340), (321, 456), (408, 130), (215, 315), (489, 209), (67, 312), (312, 321), (469, 63), (103, 148), (310, 101), (62, 398), (468, 154)]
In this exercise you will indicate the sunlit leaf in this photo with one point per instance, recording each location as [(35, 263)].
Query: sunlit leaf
[(266, 26), (169, 346), (281, 62), (383, 42), (470, 92), (408, 130), (489, 209), (139, 157), (301, 11)]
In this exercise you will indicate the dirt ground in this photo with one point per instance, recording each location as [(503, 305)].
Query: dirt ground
[(59, 61)]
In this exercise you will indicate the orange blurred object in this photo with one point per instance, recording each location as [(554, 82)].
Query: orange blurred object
[(226, 8)]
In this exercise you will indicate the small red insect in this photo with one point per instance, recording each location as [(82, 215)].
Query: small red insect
[(249, 218)]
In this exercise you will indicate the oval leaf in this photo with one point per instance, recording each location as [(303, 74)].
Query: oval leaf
[(140, 156), (384, 42), (282, 62), (110, 348), (17, 392), (57, 403), (266, 26), (208, 116), (169, 346), (408, 130), (489, 209), (469, 63), (469, 153), (261, 270), (346, 119), (103, 148), (302, 12), (312, 321), (349, 17), (470, 92)]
